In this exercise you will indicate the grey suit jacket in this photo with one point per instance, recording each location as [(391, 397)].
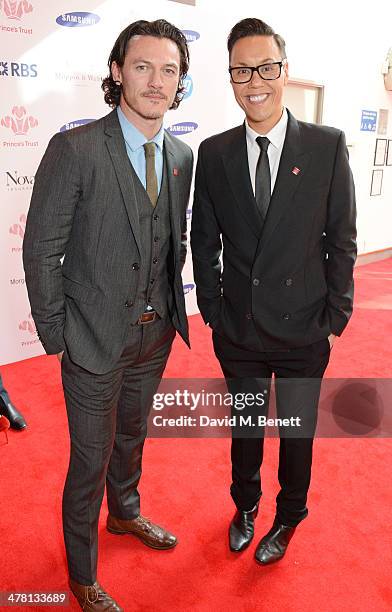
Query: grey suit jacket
[(84, 208)]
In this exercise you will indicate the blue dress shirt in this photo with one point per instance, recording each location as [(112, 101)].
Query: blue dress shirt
[(134, 141)]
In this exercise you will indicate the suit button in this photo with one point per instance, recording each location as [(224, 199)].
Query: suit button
[(286, 316), (155, 260), (288, 282), (128, 304), (256, 282), (156, 217), (248, 315), (135, 266), (156, 238)]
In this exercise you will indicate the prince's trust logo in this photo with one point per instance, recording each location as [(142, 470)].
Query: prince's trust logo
[(15, 11), (18, 229), (19, 121), (28, 327)]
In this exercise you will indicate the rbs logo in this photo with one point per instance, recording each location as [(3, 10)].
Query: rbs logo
[(14, 69)]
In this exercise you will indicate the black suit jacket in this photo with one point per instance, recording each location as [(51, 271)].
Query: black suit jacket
[(84, 208), (289, 282)]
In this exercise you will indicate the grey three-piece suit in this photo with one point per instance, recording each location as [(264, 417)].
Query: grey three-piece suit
[(120, 255)]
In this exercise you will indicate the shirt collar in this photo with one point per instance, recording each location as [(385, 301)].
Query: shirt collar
[(133, 137), (276, 136)]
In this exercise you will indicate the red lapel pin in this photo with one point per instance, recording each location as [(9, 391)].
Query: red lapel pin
[(175, 171), (296, 170)]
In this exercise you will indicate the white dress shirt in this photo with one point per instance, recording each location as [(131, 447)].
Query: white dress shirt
[(276, 136)]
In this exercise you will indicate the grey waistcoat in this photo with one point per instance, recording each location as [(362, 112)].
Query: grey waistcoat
[(153, 287)]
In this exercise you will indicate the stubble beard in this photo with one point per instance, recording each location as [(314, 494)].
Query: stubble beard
[(148, 116)]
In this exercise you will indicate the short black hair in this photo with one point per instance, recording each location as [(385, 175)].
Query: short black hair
[(160, 28), (254, 27)]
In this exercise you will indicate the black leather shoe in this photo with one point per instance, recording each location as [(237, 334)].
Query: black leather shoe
[(10, 412), (274, 544), (242, 529)]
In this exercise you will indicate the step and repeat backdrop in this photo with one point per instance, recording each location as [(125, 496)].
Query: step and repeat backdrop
[(52, 61)]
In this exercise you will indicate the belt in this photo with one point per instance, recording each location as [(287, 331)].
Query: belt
[(147, 317)]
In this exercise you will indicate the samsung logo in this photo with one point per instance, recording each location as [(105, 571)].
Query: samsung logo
[(188, 85), (180, 129), (188, 288), (190, 35), (77, 20), (74, 124)]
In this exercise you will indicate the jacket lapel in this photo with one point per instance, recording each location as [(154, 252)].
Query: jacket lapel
[(292, 167), (118, 153), (237, 172), (173, 165)]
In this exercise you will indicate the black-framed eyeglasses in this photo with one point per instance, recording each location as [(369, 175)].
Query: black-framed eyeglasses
[(268, 72)]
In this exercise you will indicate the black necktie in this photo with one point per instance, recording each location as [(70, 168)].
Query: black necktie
[(263, 177)]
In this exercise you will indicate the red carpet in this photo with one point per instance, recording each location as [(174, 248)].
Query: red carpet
[(340, 557)]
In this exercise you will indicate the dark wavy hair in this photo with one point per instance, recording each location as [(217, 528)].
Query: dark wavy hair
[(158, 28), (254, 27)]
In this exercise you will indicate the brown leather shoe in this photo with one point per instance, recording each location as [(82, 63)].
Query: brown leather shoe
[(150, 534), (93, 597)]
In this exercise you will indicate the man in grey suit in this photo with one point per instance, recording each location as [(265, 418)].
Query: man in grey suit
[(111, 197)]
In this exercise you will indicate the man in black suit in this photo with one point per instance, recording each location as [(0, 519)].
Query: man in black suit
[(111, 197), (277, 196)]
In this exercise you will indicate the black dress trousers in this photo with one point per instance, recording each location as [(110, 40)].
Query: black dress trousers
[(298, 373)]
